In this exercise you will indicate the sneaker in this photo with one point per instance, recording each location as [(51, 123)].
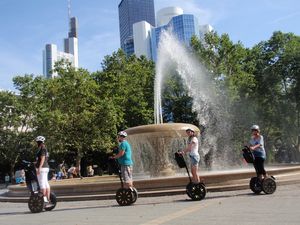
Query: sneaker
[(49, 205), (45, 199)]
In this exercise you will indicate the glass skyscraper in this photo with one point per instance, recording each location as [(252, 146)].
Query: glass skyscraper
[(130, 12), (183, 26)]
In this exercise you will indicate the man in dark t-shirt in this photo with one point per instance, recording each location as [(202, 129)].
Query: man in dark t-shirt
[(42, 168)]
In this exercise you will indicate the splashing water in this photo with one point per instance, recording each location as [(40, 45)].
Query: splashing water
[(174, 56)]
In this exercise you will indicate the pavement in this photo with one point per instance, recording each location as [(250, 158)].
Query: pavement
[(239, 207), (103, 188)]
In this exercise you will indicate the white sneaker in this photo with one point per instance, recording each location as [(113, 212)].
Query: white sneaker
[(49, 205)]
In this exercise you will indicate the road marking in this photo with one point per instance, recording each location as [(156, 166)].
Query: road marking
[(175, 215)]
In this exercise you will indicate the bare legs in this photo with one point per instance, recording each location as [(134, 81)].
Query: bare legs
[(195, 176)]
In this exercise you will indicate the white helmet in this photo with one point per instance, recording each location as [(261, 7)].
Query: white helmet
[(255, 127), (122, 133), (40, 139), (190, 129)]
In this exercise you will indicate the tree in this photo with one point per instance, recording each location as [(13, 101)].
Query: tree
[(262, 84), (74, 117), (277, 72), (15, 131), (177, 105), (128, 84)]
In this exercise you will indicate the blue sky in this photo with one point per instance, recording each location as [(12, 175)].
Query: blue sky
[(27, 25)]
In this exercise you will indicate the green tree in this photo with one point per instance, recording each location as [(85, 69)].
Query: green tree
[(15, 130), (128, 84), (177, 105), (277, 95), (74, 116)]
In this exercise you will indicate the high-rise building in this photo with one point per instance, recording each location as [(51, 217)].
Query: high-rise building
[(131, 12), (184, 26), (51, 54)]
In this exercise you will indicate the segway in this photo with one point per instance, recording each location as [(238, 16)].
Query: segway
[(267, 185), (196, 192), (124, 196), (36, 202)]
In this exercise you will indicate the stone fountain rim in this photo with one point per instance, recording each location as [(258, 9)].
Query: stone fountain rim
[(160, 128)]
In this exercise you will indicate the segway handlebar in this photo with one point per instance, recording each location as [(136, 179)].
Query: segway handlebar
[(248, 155)]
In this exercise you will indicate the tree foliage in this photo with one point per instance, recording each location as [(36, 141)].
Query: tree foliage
[(262, 85)]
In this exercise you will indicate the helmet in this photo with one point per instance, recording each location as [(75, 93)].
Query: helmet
[(255, 127), (190, 129), (122, 133), (40, 139)]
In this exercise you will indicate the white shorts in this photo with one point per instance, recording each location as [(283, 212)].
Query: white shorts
[(43, 178)]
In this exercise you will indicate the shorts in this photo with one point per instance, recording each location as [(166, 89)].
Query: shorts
[(195, 159), (126, 173), (43, 178)]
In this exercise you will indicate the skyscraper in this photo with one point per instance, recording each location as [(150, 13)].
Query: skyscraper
[(130, 12), (184, 26), (51, 54)]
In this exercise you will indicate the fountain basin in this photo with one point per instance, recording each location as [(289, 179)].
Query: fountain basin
[(153, 147), (97, 188)]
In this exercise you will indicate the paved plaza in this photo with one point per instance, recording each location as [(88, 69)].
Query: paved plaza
[(233, 207)]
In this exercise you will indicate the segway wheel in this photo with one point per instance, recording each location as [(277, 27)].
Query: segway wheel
[(269, 185), (255, 185), (196, 192), (36, 203), (53, 201), (135, 195), (124, 196)]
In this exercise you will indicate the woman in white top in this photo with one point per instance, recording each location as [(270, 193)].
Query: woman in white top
[(192, 149)]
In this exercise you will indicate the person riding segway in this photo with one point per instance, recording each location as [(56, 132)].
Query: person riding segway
[(42, 170), (36, 201), (36, 178), (255, 153), (127, 194), (195, 189)]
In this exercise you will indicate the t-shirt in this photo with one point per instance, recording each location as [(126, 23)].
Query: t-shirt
[(259, 152), (194, 150), (126, 158), (42, 152)]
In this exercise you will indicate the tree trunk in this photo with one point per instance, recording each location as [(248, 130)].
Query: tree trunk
[(12, 172), (78, 162)]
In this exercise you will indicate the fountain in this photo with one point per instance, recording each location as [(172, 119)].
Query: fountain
[(154, 145)]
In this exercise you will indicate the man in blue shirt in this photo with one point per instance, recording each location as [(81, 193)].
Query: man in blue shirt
[(125, 160)]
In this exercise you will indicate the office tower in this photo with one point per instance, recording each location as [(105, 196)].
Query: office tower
[(130, 12), (184, 26), (71, 43), (70, 54)]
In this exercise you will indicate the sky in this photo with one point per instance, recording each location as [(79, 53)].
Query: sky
[(26, 26)]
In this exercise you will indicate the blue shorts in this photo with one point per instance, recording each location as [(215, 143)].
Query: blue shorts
[(195, 159)]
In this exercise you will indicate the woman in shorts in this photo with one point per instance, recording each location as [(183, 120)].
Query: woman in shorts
[(192, 149)]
